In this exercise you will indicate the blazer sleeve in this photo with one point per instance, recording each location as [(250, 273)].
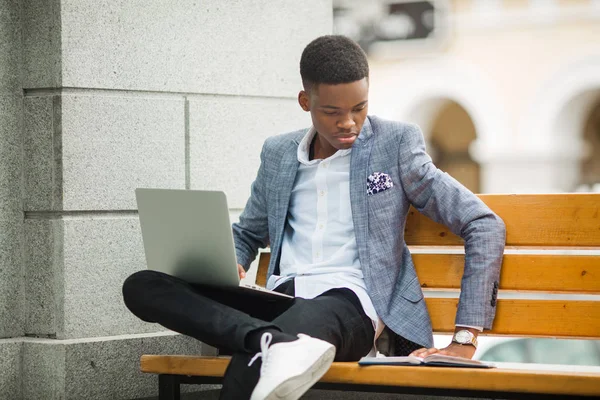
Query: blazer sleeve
[(252, 230), (443, 199)]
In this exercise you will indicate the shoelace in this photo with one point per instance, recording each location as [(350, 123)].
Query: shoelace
[(265, 342)]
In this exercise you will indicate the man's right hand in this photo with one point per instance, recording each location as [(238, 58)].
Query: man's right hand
[(241, 271)]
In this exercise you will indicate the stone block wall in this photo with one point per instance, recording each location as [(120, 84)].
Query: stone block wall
[(11, 166), (11, 200), (98, 98)]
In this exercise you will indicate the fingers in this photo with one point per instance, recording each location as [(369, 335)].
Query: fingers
[(241, 271), (458, 350), (424, 352)]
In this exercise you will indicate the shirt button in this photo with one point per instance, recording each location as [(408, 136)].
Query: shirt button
[(322, 193), (320, 226)]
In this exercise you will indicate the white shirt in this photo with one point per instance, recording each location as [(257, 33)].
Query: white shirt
[(319, 246)]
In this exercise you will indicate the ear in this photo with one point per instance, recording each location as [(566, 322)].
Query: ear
[(304, 100)]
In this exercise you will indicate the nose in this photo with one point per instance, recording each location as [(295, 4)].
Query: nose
[(346, 123)]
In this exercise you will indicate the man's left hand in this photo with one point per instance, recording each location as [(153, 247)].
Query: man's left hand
[(454, 349)]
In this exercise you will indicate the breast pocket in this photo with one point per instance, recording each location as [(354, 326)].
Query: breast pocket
[(387, 199)]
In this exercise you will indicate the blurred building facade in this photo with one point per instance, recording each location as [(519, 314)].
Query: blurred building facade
[(507, 92)]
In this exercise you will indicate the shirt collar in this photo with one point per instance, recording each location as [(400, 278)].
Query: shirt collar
[(304, 148)]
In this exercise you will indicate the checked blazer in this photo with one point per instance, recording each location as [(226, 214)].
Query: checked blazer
[(395, 152)]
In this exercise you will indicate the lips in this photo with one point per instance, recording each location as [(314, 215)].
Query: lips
[(346, 138), (346, 135)]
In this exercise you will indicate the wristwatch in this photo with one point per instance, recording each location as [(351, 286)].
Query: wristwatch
[(465, 337)]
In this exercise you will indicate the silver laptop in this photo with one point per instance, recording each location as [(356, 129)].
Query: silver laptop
[(187, 234)]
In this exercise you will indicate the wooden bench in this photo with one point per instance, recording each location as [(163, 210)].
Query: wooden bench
[(535, 223)]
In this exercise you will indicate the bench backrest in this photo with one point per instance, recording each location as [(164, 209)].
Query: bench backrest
[(552, 258)]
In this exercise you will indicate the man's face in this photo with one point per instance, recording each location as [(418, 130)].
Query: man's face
[(337, 111)]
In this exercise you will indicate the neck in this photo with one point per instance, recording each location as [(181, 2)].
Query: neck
[(320, 149)]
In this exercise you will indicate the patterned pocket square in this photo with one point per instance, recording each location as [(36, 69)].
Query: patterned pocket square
[(378, 182)]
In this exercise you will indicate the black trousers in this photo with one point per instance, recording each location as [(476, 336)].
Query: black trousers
[(223, 319)]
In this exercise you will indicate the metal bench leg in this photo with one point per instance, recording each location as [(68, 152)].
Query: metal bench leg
[(168, 387)]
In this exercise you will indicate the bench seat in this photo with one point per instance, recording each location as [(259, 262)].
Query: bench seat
[(517, 383)]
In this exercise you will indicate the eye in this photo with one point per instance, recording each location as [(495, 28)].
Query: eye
[(330, 112)]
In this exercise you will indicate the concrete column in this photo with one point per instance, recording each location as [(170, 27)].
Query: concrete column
[(127, 94)]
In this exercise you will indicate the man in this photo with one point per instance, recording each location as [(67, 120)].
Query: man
[(332, 202)]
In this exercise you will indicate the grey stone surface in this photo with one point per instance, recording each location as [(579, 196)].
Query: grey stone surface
[(10, 47), (11, 216), (11, 275), (76, 267), (42, 43), (10, 369), (42, 150), (233, 47), (99, 254), (11, 156), (226, 137), (89, 152), (43, 369), (43, 283), (104, 368)]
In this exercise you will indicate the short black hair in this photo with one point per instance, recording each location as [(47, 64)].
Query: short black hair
[(332, 59)]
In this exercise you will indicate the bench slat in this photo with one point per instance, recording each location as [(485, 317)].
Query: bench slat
[(549, 273), (549, 318), (531, 220), (505, 380), (184, 365)]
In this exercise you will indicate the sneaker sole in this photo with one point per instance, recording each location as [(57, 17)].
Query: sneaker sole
[(295, 387)]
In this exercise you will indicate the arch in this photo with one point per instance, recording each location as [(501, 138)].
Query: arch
[(560, 109), (589, 178), (451, 135), (447, 80), (556, 119)]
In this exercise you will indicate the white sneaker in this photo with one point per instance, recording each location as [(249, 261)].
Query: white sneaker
[(289, 369)]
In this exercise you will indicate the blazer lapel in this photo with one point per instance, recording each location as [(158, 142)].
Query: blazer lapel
[(288, 167), (359, 163)]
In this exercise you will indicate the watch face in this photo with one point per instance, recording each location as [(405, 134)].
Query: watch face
[(463, 337)]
